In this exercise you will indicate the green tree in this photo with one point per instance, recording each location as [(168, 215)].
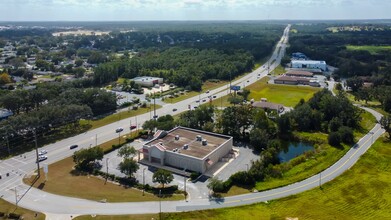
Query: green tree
[(128, 167), (84, 157), (385, 123), (259, 139), (215, 185), (334, 139), (162, 176), (127, 151)]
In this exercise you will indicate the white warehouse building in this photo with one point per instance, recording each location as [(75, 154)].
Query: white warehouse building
[(147, 81), (187, 149), (309, 64)]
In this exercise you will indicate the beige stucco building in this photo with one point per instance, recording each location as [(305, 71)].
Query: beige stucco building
[(187, 149)]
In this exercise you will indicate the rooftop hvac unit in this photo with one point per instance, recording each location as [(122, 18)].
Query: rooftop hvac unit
[(204, 142), (199, 138), (176, 137), (185, 146)]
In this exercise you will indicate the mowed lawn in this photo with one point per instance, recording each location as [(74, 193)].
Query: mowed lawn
[(372, 49), (6, 207), (61, 181), (287, 95), (363, 192)]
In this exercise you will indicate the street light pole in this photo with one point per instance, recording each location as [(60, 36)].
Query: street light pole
[(36, 151), (184, 181), (143, 180), (320, 180), (247, 167), (160, 204), (96, 140), (107, 169), (119, 138)]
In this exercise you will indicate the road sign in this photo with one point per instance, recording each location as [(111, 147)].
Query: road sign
[(235, 88)]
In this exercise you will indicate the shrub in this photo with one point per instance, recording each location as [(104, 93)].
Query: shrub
[(242, 178), (334, 139), (194, 175), (346, 135)]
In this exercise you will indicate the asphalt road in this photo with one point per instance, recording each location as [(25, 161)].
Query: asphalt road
[(12, 188)]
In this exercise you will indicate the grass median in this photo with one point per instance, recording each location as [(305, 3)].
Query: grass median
[(92, 124), (362, 192)]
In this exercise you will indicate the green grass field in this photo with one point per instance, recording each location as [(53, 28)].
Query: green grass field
[(371, 49), (363, 192), (287, 95), (283, 94), (115, 117)]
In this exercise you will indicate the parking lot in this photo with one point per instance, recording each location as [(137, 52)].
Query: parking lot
[(222, 170)]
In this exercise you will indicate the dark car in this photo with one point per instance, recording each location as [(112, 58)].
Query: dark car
[(73, 146), (119, 130), (174, 109), (155, 116), (132, 127), (214, 96)]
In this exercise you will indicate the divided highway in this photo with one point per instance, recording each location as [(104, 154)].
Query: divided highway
[(19, 166)]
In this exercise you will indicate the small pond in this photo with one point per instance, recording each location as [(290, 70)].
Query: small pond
[(293, 149)]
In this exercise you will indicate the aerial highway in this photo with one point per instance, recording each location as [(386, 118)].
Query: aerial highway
[(14, 169)]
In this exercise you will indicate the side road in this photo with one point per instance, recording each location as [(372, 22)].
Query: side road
[(49, 203)]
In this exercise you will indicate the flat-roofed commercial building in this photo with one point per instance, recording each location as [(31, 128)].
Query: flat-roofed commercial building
[(147, 81), (299, 73), (309, 64), (291, 80), (187, 149)]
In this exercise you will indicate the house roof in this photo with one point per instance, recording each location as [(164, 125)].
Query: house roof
[(267, 105)]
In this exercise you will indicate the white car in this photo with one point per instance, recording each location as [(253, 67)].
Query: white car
[(42, 152), (42, 158)]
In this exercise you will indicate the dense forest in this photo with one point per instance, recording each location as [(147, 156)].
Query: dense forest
[(187, 58)]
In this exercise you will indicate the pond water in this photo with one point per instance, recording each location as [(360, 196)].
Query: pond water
[(293, 149)]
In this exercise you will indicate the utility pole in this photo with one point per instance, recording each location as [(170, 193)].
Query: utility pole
[(154, 106), (16, 198), (96, 140), (107, 169), (160, 204), (8, 145), (184, 181), (320, 180), (143, 180), (36, 151), (230, 82), (119, 138)]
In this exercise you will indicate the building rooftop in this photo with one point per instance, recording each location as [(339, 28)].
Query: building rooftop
[(268, 105), (146, 78), (188, 136), (309, 61), (299, 73), (292, 79)]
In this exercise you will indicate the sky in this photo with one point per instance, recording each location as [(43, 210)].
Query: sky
[(135, 10)]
